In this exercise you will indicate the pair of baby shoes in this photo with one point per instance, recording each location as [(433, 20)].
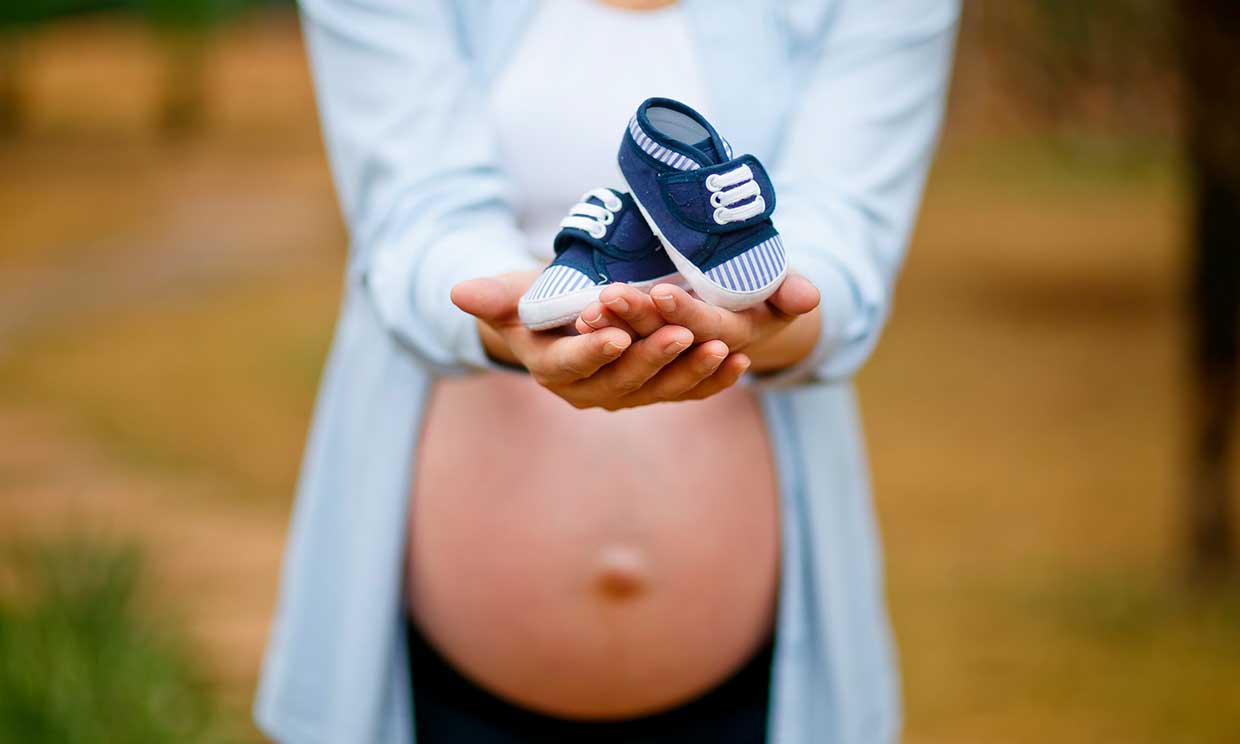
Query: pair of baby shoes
[(694, 214)]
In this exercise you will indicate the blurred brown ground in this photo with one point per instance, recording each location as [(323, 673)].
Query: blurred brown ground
[(165, 308)]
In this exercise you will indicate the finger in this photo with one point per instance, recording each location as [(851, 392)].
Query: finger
[(728, 374), (691, 369), (796, 296), (591, 319), (675, 306), (633, 307), (492, 299), (596, 317), (567, 359), (736, 329), (641, 362)]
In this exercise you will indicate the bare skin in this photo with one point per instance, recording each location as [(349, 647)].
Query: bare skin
[(605, 563), (775, 334), (629, 347), (589, 563)]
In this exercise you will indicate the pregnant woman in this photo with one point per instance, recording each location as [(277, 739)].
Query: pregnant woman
[(658, 530)]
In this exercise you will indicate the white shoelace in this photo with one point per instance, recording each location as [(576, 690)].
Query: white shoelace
[(591, 217), (727, 189)]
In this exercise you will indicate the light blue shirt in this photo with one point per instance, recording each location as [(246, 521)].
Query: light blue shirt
[(842, 99)]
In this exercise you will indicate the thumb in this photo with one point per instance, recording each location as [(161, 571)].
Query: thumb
[(492, 299), (796, 296)]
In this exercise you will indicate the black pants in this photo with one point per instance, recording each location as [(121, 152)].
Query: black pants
[(450, 709)]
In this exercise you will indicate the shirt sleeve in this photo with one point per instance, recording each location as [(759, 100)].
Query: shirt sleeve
[(853, 162), (415, 164)]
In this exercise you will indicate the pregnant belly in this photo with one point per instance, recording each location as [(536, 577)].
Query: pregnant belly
[(589, 564)]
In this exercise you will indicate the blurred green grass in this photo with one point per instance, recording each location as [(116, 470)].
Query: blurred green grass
[(82, 662)]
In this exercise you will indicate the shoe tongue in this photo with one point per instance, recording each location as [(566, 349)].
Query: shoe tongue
[(707, 147)]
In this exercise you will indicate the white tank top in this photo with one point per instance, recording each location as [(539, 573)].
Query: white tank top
[(562, 104)]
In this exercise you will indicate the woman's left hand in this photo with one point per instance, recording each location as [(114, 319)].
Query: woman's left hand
[(775, 334)]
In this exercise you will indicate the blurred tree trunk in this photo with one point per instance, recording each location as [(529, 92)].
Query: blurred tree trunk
[(183, 105), (1210, 44), (10, 84)]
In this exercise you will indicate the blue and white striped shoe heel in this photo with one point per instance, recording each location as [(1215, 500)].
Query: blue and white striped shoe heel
[(711, 209)]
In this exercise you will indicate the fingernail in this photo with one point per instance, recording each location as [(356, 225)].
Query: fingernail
[(611, 348), (591, 321), (618, 304), (665, 303), (676, 347), (713, 361)]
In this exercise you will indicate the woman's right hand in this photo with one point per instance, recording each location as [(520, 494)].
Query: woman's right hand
[(604, 369), (776, 334)]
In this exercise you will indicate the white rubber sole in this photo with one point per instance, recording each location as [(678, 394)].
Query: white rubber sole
[(697, 279), (553, 312)]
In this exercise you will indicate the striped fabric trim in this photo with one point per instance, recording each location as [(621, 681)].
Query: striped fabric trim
[(754, 269), (557, 280), (659, 152)]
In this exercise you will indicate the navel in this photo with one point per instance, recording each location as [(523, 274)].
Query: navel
[(622, 572)]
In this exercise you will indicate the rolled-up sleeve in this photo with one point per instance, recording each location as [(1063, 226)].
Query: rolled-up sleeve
[(853, 162), (415, 166)]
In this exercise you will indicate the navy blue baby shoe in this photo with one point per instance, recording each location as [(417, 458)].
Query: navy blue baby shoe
[(712, 211), (602, 240)]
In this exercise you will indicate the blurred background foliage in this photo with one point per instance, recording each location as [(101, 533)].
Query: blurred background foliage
[(184, 26), (1099, 73), (82, 662), (1111, 76), (1050, 412)]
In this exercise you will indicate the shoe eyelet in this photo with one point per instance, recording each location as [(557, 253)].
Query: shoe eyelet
[(609, 218), (716, 199), (712, 182), (719, 216)]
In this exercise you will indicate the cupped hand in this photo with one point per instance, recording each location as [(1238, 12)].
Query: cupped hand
[(607, 369), (756, 330)]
